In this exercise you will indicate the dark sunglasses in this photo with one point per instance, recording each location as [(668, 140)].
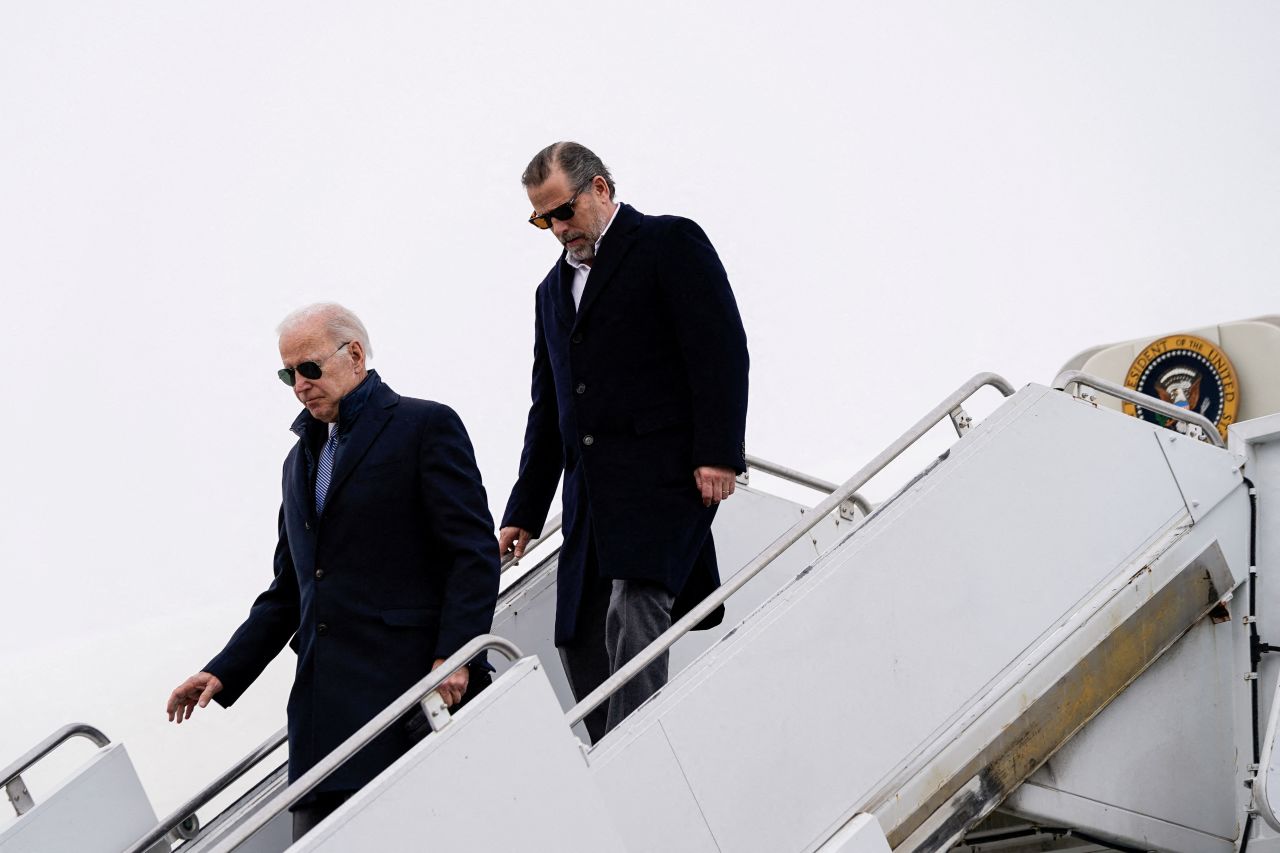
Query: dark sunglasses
[(564, 213), (308, 369)]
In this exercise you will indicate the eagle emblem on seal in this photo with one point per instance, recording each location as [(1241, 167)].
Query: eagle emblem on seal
[(1189, 372)]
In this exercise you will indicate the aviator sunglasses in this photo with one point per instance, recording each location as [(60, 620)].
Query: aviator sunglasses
[(308, 369), (564, 213)]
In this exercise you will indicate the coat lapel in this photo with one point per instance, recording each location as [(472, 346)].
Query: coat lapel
[(377, 412), (562, 293), (617, 242), (301, 495)]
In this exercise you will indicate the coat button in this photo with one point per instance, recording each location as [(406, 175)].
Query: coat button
[(319, 574), (307, 524), (582, 388), (322, 628), (588, 440), (577, 338)]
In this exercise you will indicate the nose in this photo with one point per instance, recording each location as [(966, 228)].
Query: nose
[(559, 226)]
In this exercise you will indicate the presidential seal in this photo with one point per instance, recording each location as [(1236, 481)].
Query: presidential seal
[(1190, 373)]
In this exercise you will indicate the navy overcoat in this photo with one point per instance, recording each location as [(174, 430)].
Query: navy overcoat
[(401, 569), (643, 383)]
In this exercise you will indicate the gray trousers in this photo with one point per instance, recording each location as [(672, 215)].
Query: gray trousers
[(617, 620)]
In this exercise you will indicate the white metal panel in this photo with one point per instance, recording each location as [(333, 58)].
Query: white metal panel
[(1058, 808), (100, 809), (860, 835), (505, 775), (1205, 474), (849, 674), (667, 818)]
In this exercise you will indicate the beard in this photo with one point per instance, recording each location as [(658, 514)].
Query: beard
[(586, 250), (583, 252)]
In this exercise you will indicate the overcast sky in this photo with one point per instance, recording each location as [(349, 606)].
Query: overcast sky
[(903, 194)]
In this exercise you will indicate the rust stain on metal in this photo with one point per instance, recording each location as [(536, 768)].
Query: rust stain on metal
[(1052, 718)]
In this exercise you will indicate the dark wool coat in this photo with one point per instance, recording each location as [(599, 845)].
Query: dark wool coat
[(401, 569), (643, 383)]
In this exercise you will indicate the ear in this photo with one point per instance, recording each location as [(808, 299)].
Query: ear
[(357, 355), (600, 187)]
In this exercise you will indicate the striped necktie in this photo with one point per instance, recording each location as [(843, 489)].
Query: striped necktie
[(325, 470)]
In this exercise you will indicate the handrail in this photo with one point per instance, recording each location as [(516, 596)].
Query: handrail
[(800, 478), (210, 791), (781, 471), (668, 638), (48, 745), (362, 736), (551, 527), (1146, 401)]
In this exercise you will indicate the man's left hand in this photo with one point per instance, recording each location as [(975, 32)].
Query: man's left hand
[(716, 484), (452, 688)]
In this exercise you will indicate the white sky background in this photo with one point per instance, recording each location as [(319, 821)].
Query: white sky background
[(904, 194)]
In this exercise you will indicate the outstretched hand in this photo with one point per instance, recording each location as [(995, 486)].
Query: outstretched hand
[(196, 690)]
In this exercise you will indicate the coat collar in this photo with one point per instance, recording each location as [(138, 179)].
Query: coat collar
[(361, 417), (617, 241), (348, 410)]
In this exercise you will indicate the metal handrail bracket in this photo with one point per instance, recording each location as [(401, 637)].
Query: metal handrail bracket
[(213, 789), (11, 776), (357, 741), (669, 637), (1146, 401)]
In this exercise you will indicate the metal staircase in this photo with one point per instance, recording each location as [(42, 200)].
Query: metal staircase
[(884, 679)]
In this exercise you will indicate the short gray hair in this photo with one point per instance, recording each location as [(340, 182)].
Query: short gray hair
[(341, 323), (578, 162)]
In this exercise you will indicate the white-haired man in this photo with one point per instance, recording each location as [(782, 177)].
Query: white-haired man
[(386, 562)]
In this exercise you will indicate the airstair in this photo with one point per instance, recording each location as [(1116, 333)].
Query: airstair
[(1052, 637)]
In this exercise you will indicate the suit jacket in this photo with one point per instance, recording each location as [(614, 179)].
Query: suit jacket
[(643, 383), (401, 569)]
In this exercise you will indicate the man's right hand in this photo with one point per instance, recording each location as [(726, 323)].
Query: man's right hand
[(196, 690), (513, 540)]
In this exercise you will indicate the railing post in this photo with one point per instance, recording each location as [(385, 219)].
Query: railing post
[(19, 796)]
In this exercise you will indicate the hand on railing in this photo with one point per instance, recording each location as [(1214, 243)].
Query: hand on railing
[(454, 687), (506, 546), (512, 542)]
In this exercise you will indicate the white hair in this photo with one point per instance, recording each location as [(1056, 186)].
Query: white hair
[(341, 323)]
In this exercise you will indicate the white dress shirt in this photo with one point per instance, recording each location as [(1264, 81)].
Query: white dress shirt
[(582, 269)]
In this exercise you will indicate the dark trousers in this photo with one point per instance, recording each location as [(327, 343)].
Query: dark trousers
[(616, 621), (319, 805)]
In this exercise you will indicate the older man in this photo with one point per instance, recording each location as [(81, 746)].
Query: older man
[(386, 562), (640, 398)]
